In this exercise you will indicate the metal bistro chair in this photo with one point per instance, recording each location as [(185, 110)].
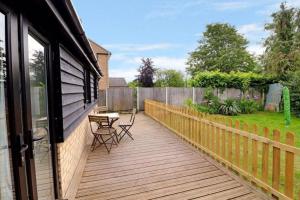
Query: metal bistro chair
[(126, 126), (103, 130)]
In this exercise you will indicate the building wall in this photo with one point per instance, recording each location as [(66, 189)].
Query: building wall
[(103, 62), (103, 57), (72, 156)]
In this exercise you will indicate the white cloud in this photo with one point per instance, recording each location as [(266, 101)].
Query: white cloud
[(140, 47), (173, 8), (128, 74), (254, 32), (164, 62), (250, 28), (130, 65), (170, 63), (232, 5), (256, 49), (268, 10)]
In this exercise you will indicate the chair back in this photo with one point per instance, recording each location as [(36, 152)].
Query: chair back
[(132, 118), (100, 109), (100, 120)]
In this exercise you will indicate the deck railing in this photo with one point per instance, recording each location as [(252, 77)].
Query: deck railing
[(266, 161)]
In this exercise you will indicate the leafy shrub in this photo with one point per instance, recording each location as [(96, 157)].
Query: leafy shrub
[(202, 108), (248, 106), (293, 83), (238, 80), (229, 107), (209, 108), (213, 102), (188, 103)]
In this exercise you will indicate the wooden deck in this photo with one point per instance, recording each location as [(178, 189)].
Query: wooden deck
[(158, 165)]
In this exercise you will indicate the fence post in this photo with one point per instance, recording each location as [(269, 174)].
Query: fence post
[(167, 95), (106, 97), (137, 99), (194, 97)]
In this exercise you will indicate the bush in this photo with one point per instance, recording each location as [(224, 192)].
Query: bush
[(293, 83), (238, 80), (213, 102), (189, 103), (248, 106), (229, 107)]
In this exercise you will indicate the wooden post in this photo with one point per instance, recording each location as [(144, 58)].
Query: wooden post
[(237, 144), (106, 97), (194, 96), (223, 144), (167, 95), (289, 167), (254, 152), (230, 142), (276, 162), (265, 157), (218, 141), (137, 98), (245, 149)]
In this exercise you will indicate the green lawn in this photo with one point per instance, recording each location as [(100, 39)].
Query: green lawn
[(272, 121), (275, 121)]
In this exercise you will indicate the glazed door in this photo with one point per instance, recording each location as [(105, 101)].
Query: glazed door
[(6, 180), (13, 149), (39, 162)]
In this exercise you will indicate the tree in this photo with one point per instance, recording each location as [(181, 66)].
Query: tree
[(146, 73), (2, 62), (37, 68), (287, 106), (169, 78), (282, 54), (133, 84), (221, 48)]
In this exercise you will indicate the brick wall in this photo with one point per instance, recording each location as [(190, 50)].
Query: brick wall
[(70, 154), (103, 62), (102, 58)]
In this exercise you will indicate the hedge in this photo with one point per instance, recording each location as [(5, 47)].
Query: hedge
[(238, 80)]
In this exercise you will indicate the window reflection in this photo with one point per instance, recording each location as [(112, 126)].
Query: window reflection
[(39, 110), (6, 184)]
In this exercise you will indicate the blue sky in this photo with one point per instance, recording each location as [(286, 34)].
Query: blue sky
[(167, 30)]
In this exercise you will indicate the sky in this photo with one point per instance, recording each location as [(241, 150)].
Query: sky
[(167, 30)]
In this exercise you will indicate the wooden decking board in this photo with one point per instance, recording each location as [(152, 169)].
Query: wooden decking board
[(149, 180), (112, 166), (227, 194), (135, 158), (145, 169), (209, 188), (95, 171), (143, 175), (156, 165), (136, 189)]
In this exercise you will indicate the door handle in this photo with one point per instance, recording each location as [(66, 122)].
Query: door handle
[(24, 148)]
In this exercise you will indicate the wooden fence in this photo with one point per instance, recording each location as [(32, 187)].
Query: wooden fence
[(178, 95), (265, 161), (117, 98)]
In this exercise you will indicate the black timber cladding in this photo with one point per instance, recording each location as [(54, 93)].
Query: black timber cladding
[(72, 83), (92, 83)]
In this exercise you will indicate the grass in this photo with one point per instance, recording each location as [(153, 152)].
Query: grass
[(275, 121), (272, 121)]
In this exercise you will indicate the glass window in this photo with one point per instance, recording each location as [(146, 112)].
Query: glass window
[(6, 183), (39, 110), (87, 87)]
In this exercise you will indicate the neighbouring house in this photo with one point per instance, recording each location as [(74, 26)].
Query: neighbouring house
[(102, 56), (117, 82), (48, 85)]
